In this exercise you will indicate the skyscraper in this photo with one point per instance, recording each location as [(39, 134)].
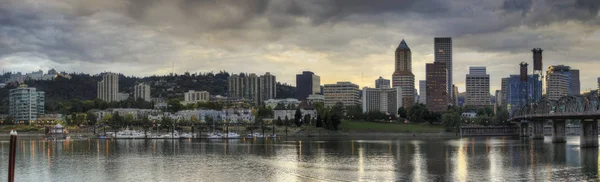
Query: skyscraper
[(422, 91), (437, 95), (142, 90), (403, 76), (478, 87), (387, 100), (498, 97), (504, 89), (561, 81), (382, 83), (515, 90), (307, 84), (575, 83), (443, 54), (108, 88)]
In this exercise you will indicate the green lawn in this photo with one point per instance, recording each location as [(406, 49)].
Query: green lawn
[(363, 126)]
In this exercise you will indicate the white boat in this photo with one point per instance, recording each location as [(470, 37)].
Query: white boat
[(187, 135), (255, 135), (231, 135), (129, 134), (175, 134), (214, 135)]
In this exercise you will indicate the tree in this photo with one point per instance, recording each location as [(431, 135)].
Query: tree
[(279, 122), (319, 121), (417, 113), (501, 117), (402, 112), (354, 112), (451, 121), (174, 105), (307, 119), (146, 124), (298, 117)]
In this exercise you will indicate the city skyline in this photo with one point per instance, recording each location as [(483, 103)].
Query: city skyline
[(135, 39)]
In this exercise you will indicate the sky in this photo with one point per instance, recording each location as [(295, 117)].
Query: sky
[(339, 40)]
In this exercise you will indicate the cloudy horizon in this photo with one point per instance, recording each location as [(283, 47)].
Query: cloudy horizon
[(339, 40)]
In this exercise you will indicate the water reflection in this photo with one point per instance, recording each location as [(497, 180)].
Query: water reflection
[(466, 159)]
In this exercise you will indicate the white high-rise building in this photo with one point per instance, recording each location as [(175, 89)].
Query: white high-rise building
[(561, 81), (478, 87), (142, 90), (345, 92), (423, 91), (387, 100), (268, 86), (108, 88), (192, 96), (25, 103)]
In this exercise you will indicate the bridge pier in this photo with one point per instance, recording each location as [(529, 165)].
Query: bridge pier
[(589, 133), (538, 130), (558, 131), (524, 128)]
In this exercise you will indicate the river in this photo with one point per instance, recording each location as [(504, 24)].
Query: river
[(465, 159)]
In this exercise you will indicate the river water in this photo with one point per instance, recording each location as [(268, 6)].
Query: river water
[(466, 159)]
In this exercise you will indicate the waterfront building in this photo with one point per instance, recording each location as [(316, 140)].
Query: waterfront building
[(562, 81), (25, 103), (192, 97), (272, 103), (403, 76), (387, 100), (142, 90), (533, 90), (307, 84), (345, 92), (281, 111), (443, 54), (437, 95), (108, 88), (382, 83), (478, 87), (504, 90), (268, 87)]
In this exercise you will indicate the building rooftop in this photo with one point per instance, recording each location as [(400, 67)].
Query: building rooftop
[(403, 45)]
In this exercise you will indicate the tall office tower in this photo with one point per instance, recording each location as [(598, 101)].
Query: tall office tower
[(422, 91), (454, 100), (514, 90), (403, 76), (575, 83), (25, 103), (142, 90), (443, 53), (504, 89), (498, 97), (345, 92), (478, 87), (268, 87), (108, 88), (437, 95), (382, 83), (307, 84), (387, 100), (561, 81)]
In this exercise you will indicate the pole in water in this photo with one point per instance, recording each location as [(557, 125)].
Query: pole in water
[(13, 152)]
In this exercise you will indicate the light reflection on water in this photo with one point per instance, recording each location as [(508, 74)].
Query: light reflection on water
[(466, 159)]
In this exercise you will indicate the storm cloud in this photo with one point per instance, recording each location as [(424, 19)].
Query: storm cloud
[(340, 40)]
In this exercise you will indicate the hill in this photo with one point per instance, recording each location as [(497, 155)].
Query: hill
[(82, 86)]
